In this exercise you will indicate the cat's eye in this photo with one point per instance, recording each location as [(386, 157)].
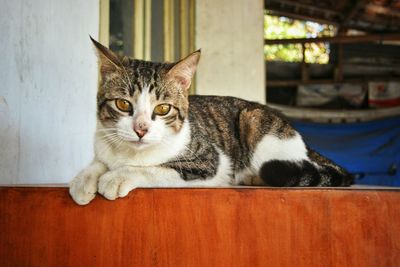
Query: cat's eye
[(123, 105), (162, 109)]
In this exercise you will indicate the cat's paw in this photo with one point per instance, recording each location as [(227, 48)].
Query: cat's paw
[(113, 185), (83, 188)]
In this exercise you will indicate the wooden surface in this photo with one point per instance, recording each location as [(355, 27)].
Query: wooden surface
[(201, 227)]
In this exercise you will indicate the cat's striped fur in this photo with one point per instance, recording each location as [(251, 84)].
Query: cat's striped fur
[(200, 141)]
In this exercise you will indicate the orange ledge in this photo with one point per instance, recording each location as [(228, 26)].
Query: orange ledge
[(201, 227)]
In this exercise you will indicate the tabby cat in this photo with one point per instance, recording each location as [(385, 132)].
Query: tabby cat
[(150, 133)]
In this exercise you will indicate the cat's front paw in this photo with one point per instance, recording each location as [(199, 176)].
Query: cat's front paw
[(83, 188), (114, 184)]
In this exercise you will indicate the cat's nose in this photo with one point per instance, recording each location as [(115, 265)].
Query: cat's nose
[(140, 133), (140, 129)]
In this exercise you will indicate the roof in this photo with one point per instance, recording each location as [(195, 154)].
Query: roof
[(371, 16)]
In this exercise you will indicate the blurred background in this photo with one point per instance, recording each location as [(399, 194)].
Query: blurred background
[(332, 67)]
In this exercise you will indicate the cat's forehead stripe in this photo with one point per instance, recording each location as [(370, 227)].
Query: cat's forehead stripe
[(144, 72), (146, 88)]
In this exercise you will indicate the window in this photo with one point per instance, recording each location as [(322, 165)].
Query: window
[(285, 28)]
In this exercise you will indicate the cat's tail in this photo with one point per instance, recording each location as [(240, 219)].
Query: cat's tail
[(316, 171)]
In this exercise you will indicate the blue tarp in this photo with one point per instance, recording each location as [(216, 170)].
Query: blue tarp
[(371, 150)]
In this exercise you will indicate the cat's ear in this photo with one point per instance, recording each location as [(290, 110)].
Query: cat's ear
[(109, 61), (183, 71)]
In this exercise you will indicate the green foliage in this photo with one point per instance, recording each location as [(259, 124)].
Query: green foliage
[(286, 28)]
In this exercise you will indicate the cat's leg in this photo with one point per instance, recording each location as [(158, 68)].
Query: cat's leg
[(273, 146), (279, 160), (287, 162), (83, 187), (279, 156), (119, 182)]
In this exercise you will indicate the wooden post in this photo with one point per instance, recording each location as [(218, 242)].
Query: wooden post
[(104, 27), (338, 75), (147, 29), (184, 28), (304, 65), (169, 51), (192, 36), (138, 29), (338, 71)]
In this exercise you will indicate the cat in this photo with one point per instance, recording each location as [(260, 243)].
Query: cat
[(151, 133)]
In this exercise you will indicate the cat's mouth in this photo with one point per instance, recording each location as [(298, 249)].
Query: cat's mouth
[(139, 143), (135, 141)]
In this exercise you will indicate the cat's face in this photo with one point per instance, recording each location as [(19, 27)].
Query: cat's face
[(142, 103)]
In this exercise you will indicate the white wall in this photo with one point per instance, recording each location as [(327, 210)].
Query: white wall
[(48, 78), (230, 34)]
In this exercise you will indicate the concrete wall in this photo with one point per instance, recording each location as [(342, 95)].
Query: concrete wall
[(48, 79), (230, 34)]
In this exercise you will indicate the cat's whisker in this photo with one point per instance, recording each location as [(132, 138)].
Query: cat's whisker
[(106, 130), (119, 144), (104, 149), (128, 137), (109, 144), (125, 132), (107, 133), (109, 136), (116, 132)]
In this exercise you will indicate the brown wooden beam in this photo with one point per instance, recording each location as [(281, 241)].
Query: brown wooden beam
[(202, 227), (295, 83), (297, 4), (278, 12), (353, 12), (378, 9), (382, 21), (337, 39)]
